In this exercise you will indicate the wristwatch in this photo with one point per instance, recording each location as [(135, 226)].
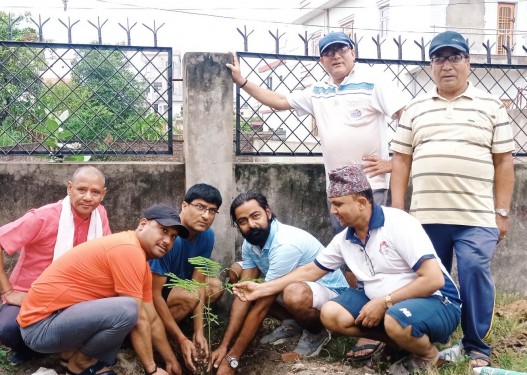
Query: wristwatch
[(502, 212), (388, 301), (233, 362)]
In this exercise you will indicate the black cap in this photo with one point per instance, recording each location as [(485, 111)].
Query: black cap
[(166, 216)]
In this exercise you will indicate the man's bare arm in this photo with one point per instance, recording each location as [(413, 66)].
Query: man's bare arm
[(267, 97), (401, 165)]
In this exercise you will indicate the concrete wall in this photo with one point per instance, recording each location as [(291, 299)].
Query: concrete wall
[(296, 193)]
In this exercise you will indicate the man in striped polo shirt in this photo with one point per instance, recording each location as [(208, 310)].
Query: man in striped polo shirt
[(458, 142)]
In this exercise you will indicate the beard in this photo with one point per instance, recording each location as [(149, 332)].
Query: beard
[(258, 236)]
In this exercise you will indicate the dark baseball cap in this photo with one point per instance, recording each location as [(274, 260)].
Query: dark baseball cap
[(166, 216), (448, 39), (334, 38)]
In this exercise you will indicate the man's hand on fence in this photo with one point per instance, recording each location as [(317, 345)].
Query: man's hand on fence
[(375, 166), (235, 70)]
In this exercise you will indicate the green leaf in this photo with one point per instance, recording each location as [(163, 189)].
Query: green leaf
[(206, 266)]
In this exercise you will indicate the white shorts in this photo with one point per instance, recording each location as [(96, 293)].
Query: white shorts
[(321, 294)]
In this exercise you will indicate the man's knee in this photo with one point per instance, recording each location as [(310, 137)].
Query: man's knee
[(394, 329), (335, 317), (235, 271), (214, 289), (181, 302), (129, 312), (298, 296)]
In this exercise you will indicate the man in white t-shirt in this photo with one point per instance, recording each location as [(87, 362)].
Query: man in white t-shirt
[(409, 299)]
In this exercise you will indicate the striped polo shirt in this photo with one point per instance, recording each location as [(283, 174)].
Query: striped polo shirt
[(452, 142)]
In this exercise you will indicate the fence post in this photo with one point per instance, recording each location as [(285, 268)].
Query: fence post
[(207, 131)]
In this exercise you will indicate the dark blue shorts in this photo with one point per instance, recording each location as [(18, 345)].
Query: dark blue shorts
[(434, 316)]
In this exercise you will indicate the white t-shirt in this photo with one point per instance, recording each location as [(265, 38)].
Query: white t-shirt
[(352, 118), (396, 245)]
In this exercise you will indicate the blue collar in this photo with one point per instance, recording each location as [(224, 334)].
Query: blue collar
[(376, 221)]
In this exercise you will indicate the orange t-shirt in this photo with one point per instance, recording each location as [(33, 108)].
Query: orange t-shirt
[(104, 267)]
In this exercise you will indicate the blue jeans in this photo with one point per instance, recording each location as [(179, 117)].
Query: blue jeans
[(97, 328), (474, 249)]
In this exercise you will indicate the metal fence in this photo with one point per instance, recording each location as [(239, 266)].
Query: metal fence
[(80, 99), (261, 130)]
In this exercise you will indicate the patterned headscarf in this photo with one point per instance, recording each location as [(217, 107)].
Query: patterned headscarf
[(347, 180)]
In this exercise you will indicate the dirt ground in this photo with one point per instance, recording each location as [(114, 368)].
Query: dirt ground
[(267, 360)]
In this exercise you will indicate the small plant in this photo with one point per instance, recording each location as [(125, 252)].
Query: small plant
[(212, 269)]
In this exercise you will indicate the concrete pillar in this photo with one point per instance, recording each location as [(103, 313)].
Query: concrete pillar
[(207, 130)]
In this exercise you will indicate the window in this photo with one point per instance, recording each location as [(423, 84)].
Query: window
[(157, 86), (348, 25), (315, 39), (505, 26), (385, 12)]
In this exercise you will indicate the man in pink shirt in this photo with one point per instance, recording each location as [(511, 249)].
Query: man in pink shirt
[(43, 235)]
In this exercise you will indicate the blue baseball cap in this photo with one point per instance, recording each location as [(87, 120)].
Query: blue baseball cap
[(448, 39), (334, 38)]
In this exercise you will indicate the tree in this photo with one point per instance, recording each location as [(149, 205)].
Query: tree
[(19, 77), (107, 77)]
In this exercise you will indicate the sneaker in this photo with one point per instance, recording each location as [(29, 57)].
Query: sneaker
[(288, 329), (18, 358), (311, 344)]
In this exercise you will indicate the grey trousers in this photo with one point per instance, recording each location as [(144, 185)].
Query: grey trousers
[(97, 328)]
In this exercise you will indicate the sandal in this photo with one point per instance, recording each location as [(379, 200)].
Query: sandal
[(92, 370), (375, 348), (476, 358)]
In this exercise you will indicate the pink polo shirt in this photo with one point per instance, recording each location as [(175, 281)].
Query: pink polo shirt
[(35, 235)]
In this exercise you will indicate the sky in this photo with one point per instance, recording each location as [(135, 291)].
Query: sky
[(185, 25)]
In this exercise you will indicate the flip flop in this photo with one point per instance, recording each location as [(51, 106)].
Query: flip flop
[(375, 348), (477, 356)]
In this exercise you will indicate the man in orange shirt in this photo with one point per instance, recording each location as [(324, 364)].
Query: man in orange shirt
[(90, 299)]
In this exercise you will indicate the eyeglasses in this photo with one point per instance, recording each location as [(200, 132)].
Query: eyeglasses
[(452, 59), (369, 263), (331, 51), (201, 208)]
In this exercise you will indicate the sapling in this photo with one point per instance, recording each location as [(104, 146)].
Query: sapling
[(210, 269)]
